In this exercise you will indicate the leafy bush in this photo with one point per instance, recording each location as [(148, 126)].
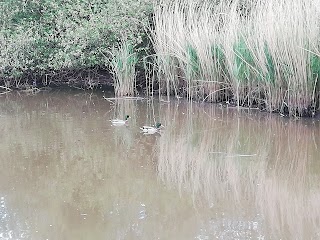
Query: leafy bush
[(40, 37)]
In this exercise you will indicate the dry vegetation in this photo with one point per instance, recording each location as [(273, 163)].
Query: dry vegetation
[(247, 52), (261, 53)]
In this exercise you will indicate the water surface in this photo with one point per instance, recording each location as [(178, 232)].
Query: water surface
[(212, 172)]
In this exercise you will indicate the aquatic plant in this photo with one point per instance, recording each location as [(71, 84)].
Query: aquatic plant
[(252, 52), (123, 68)]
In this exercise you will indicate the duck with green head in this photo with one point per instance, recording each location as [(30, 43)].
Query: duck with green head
[(151, 130), (120, 122)]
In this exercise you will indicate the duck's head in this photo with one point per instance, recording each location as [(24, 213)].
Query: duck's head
[(127, 117), (158, 125)]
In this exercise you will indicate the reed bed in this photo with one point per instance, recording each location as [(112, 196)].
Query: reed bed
[(123, 68), (247, 52)]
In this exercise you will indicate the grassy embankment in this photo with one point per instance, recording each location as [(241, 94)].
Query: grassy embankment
[(255, 53)]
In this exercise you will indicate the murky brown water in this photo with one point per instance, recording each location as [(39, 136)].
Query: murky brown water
[(66, 173)]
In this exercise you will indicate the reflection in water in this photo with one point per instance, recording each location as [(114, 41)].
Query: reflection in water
[(66, 173), (236, 163)]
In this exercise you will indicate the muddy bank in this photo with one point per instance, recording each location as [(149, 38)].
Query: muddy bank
[(88, 79), (101, 79)]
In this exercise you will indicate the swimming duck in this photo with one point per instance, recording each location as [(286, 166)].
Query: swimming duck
[(119, 122), (151, 130)]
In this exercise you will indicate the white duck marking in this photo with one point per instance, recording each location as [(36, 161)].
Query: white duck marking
[(120, 122), (151, 130)]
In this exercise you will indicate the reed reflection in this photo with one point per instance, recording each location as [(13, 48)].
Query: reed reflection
[(241, 162), (66, 173)]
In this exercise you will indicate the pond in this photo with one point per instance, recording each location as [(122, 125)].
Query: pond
[(211, 173)]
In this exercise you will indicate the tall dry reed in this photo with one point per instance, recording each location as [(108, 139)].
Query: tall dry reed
[(249, 52)]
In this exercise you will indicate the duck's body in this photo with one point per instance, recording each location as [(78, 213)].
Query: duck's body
[(120, 122), (151, 130)]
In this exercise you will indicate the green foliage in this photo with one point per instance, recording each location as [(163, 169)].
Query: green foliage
[(217, 54), (315, 65), (243, 61), (44, 36), (315, 71), (123, 67), (193, 64), (218, 58), (270, 75)]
